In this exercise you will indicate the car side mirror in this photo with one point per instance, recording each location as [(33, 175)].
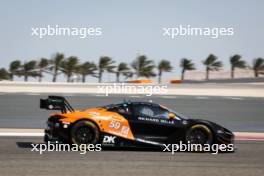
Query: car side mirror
[(171, 116)]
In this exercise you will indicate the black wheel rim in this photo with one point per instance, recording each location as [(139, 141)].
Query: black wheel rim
[(85, 135), (198, 136)]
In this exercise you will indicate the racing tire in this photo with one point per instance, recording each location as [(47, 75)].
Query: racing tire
[(85, 132), (199, 134)]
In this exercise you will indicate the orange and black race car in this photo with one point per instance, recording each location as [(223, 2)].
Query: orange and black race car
[(128, 124)]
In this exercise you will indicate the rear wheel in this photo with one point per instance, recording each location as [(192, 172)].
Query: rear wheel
[(199, 134), (85, 132)]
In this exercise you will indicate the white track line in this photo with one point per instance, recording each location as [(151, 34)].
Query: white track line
[(202, 98), (33, 94), (99, 95), (168, 97), (21, 134), (234, 98), (134, 96), (68, 95)]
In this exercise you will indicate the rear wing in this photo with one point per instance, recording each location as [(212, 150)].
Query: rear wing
[(56, 103)]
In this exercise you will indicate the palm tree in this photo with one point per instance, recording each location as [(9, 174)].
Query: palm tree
[(212, 64), (163, 66), (186, 64), (56, 65), (122, 69), (87, 68), (236, 62), (42, 65), (105, 64), (258, 65), (69, 66), (13, 68), (29, 69), (4, 75), (143, 67)]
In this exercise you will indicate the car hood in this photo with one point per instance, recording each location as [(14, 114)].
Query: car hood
[(214, 126)]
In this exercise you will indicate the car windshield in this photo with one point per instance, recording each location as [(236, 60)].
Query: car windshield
[(180, 115)]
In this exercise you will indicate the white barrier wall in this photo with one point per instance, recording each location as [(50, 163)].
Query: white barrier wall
[(243, 90)]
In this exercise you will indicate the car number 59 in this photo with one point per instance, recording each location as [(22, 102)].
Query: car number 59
[(114, 124)]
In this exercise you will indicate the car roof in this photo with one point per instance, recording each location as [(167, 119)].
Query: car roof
[(130, 102)]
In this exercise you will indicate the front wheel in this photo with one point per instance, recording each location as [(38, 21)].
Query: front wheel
[(199, 134), (85, 132)]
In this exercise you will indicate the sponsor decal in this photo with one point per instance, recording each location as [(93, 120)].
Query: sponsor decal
[(118, 128), (124, 130), (166, 121), (109, 139), (114, 124)]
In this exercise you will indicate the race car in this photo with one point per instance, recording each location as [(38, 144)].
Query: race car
[(128, 124)]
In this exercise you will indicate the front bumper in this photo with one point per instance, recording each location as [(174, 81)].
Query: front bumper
[(225, 137)]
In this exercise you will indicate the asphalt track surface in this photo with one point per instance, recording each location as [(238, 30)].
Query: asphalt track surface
[(16, 158), (235, 113)]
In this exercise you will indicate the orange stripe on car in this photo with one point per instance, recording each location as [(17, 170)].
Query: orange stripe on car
[(108, 122)]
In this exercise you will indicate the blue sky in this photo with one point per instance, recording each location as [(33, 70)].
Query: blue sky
[(131, 28)]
